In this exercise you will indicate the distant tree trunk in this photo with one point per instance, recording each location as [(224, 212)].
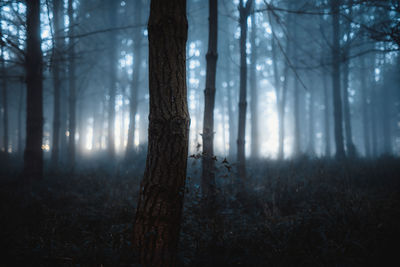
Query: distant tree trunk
[(351, 149), (20, 110), (364, 99), (337, 101), (387, 138), (56, 58), (112, 9), (208, 175), (255, 151), (244, 12), (133, 102), (33, 155), (231, 113), (311, 132), (296, 102), (158, 216), (122, 131), (4, 94), (373, 111), (327, 121), (72, 88)]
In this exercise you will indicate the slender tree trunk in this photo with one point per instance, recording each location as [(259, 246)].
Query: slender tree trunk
[(20, 111), (112, 9), (133, 102), (241, 157), (311, 131), (364, 99), (255, 151), (327, 121), (72, 88), (351, 149), (337, 101), (208, 175), (158, 216), (4, 94), (122, 130), (386, 104), (57, 16), (33, 155), (231, 113)]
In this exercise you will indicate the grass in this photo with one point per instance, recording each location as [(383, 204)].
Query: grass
[(294, 213)]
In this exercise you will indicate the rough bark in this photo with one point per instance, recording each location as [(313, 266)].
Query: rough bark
[(33, 155), (56, 58), (208, 163), (158, 216), (133, 102), (244, 11), (337, 101), (254, 148)]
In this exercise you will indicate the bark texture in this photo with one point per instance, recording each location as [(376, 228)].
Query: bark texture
[(33, 155), (158, 216), (208, 163)]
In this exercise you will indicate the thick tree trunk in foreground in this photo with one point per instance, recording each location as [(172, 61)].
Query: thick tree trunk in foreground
[(208, 164), (241, 157), (57, 17), (72, 89), (133, 101), (255, 146), (33, 155), (337, 100), (158, 215)]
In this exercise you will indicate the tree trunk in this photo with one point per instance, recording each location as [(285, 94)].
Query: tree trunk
[(327, 113), (364, 99), (4, 94), (255, 151), (337, 101), (311, 132), (112, 9), (231, 112), (133, 102), (158, 215), (20, 111), (244, 12), (208, 175), (72, 89), (57, 16), (33, 155)]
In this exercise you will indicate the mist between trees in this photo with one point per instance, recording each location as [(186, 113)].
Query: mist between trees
[(95, 82)]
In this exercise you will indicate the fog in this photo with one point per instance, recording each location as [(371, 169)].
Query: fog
[(275, 89)]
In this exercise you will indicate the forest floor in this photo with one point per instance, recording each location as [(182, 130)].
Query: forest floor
[(293, 213)]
